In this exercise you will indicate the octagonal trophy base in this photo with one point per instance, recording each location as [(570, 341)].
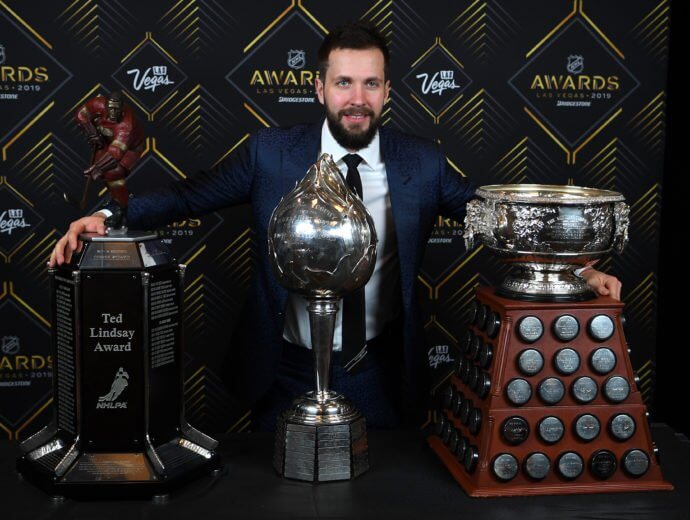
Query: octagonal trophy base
[(321, 438)]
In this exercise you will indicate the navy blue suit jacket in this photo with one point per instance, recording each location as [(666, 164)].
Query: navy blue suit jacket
[(421, 186)]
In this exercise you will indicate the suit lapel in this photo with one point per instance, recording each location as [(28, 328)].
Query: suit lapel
[(401, 166)]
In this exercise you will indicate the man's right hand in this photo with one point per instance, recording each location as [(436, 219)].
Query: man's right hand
[(70, 243)]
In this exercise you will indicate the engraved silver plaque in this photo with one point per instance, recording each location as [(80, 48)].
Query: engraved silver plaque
[(493, 324), (505, 467), (601, 327), (537, 466), (482, 314), (456, 403), (515, 430), (570, 465), (603, 360), (622, 427), (471, 458), (584, 389), (566, 327), (587, 427), (530, 362), (475, 421), (551, 429), (551, 390), (465, 411), (603, 464), (518, 391), (616, 389), (475, 346), (530, 329), (567, 361), (635, 463), (484, 385), (486, 354)]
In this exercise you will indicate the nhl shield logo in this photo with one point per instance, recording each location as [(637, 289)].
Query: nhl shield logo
[(2, 54), (296, 59), (576, 64), (10, 345)]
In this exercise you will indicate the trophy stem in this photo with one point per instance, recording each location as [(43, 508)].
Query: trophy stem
[(322, 322)]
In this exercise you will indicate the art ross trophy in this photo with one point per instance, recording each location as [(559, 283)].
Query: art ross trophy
[(322, 245), (119, 427), (543, 398)]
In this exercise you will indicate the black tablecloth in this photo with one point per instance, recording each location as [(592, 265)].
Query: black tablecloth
[(406, 480)]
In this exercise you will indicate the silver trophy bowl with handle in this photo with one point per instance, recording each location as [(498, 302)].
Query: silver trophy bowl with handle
[(545, 232), (322, 245)]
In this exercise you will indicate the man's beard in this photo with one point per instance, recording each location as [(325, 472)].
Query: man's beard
[(348, 139)]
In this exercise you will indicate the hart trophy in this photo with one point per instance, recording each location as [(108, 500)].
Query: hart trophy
[(543, 398), (119, 427), (322, 245)]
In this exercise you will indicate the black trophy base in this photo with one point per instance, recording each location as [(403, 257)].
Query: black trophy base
[(154, 474), (320, 453)]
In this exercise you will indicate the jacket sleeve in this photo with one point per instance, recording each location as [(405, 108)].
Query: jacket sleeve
[(455, 191), (227, 185)]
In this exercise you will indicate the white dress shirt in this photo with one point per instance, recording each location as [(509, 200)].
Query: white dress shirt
[(382, 291)]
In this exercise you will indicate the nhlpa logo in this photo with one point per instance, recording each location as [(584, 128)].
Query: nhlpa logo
[(576, 64), (296, 59), (2, 54), (439, 354), (109, 400), (10, 345)]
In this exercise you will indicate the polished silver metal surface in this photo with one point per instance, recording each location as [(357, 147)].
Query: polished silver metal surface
[(537, 466), (518, 391), (622, 426), (530, 362), (601, 327), (493, 324), (321, 238), (570, 465), (471, 458), (603, 360), (545, 232), (636, 462), (567, 361), (322, 245), (587, 427), (566, 327), (616, 389), (551, 429), (505, 467), (551, 390), (585, 389), (530, 329)]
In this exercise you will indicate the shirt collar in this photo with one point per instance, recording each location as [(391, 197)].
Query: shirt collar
[(371, 155)]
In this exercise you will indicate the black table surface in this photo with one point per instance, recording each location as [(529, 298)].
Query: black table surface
[(405, 480)]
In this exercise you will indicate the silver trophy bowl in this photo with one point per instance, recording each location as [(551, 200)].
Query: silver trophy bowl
[(545, 232), (322, 245)]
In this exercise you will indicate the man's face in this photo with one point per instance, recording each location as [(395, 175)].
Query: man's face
[(353, 92)]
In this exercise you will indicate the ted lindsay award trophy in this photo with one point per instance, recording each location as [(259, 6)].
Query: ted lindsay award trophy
[(543, 398), (322, 245), (117, 312)]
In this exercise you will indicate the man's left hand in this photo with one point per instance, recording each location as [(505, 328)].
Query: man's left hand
[(603, 283)]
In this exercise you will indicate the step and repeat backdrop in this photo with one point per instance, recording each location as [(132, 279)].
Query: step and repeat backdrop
[(530, 91)]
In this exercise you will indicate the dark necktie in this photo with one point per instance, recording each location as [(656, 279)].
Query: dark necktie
[(354, 324)]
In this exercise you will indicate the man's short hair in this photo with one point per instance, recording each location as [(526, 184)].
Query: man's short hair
[(354, 35)]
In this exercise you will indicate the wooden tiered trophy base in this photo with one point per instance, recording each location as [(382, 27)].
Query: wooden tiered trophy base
[(543, 400)]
